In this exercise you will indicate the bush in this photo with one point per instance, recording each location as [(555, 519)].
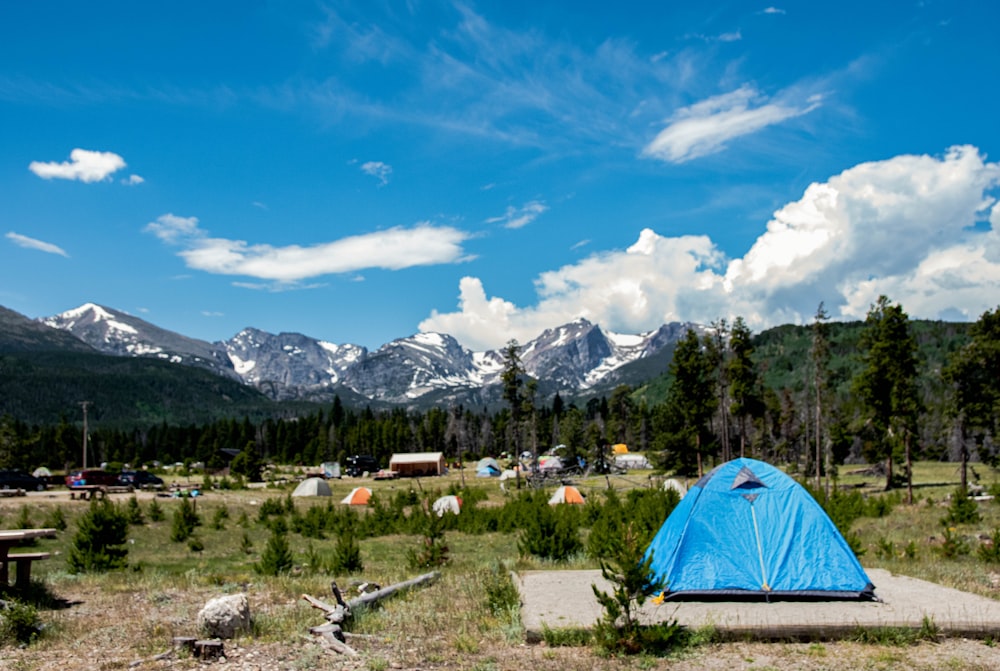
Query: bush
[(19, 624), (185, 520), (432, 551), (277, 556), (962, 510), (502, 595), (551, 533), (99, 544), (56, 519), (346, 555), (134, 513), (156, 513)]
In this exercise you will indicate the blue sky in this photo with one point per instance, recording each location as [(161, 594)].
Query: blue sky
[(360, 172)]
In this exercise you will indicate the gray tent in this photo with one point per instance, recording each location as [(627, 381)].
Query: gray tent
[(312, 487)]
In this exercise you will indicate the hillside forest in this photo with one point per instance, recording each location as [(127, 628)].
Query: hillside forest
[(883, 392)]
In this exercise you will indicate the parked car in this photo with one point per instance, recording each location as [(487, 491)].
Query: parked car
[(14, 479), (140, 480), (91, 476)]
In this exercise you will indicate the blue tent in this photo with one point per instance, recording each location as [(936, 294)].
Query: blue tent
[(748, 531)]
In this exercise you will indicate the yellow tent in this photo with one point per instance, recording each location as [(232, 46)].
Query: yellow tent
[(620, 448)]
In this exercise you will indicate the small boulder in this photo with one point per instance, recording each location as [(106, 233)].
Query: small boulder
[(225, 616)]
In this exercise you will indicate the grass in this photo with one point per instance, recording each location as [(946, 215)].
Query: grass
[(468, 617)]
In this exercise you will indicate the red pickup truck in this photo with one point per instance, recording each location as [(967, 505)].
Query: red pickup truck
[(91, 476)]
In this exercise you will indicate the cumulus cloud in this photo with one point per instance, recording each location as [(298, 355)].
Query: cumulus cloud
[(84, 166), (923, 230), (517, 217), (707, 126), (393, 249), (32, 243), (133, 180), (378, 170)]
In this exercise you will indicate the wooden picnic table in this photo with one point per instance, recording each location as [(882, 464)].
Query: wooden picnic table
[(9, 539)]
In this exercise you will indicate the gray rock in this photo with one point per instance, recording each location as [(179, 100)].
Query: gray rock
[(225, 616)]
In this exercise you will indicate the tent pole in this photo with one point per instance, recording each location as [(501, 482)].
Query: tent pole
[(760, 550)]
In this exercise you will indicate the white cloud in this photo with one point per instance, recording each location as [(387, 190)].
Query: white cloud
[(517, 217), (85, 166), (707, 126), (773, 10), (32, 243), (923, 230), (133, 180), (379, 170), (393, 249)]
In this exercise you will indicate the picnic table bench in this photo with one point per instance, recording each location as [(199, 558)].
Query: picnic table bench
[(22, 561)]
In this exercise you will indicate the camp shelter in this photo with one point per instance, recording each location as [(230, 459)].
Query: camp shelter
[(746, 530), (359, 496), (676, 485), (413, 464), (447, 504), (42, 472), (487, 467), (312, 487), (620, 448), (566, 494)]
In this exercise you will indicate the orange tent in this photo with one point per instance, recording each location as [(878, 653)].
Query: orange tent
[(566, 494), (359, 496)]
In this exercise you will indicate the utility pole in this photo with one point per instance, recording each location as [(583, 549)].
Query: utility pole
[(84, 405)]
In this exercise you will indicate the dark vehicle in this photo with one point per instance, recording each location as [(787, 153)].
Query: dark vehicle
[(360, 464), (140, 480), (12, 479), (91, 476)]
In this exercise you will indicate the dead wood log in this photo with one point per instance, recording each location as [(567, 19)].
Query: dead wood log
[(372, 597), (331, 641)]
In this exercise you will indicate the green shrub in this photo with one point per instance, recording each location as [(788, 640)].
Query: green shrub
[(346, 556), (954, 545), (502, 595), (246, 545), (962, 510), (219, 518), (156, 513), (186, 519), (432, 551), (56, 519), (134, 512), (19, 624), (550, 533), (989, 550), (99, 544), (277, 556)]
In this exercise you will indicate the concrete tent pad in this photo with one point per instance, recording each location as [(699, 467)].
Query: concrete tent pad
[(564, 599)]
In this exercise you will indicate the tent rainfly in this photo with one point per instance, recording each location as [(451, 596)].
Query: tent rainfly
[(359, 496), (312, 487), (747, 531), (487, 467), (413, 464), (447, 504), (566, 494)]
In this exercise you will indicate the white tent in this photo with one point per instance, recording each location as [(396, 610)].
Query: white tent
[(447, 504), (312, 487), (675, 485), (42, 472)]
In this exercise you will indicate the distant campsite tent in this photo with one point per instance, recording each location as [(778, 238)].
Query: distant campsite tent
[(566, 494), (42, 472), (447, 504), (748, 531), (359, 496), (487, 468), (417, 464), (312, 487), (676, 485), (620, 448)]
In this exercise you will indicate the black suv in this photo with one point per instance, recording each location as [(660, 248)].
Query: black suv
[(140, 479), (13, 479), (360, 464)]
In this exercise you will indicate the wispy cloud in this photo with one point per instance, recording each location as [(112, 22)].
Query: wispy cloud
[(772, 10), (393, 249), (923, 230), (133, 180), (517, 217), (32, 243), (83, 166), (707, 126), (378, 170)]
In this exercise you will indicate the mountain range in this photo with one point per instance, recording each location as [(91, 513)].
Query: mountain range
[(422, 370)]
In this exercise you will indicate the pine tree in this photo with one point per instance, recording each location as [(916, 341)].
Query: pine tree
[(277, 556), (100, 541)]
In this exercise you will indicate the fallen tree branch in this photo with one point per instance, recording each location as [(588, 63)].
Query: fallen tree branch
[(372, 597)]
